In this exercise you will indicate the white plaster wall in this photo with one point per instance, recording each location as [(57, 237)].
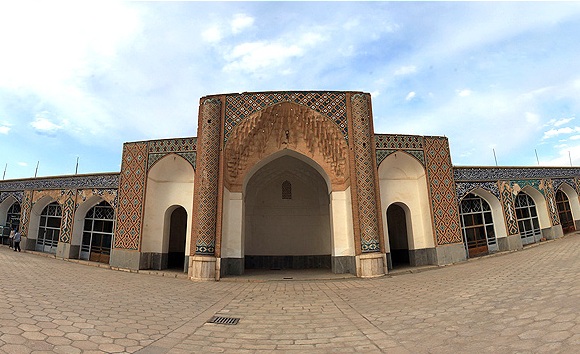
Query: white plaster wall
[(402, 180), (79, 220), (342, 226), (232, 245), (169, 184), (541, 206)]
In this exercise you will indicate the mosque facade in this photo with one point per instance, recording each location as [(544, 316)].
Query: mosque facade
[(290, 180)]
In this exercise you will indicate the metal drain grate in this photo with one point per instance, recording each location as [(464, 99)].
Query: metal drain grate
[(224, 320)]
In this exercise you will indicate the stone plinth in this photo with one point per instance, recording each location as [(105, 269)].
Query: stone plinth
[(371, 265)]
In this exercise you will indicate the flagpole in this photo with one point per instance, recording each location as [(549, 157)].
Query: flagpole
[(36, 171)]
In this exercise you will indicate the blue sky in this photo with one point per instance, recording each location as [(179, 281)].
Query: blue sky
[(77, 79)]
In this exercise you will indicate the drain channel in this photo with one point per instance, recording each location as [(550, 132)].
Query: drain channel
[(224, 320)]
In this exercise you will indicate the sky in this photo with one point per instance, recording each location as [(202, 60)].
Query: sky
[(80, 78)]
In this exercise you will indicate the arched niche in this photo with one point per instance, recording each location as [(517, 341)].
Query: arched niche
[(572, 199), (287, 231), (78, 227), (34, 220), (399, 234), (499, 225), (170, 184), (541, 206), (402, 180)]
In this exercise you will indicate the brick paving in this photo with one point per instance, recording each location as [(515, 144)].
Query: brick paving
[(520, 302)]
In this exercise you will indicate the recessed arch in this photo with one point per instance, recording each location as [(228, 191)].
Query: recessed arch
[(528, 205), (287, 233), (499, 225), (402, 181), (573, 201), (170, 184), (477, 226), (399, 234)]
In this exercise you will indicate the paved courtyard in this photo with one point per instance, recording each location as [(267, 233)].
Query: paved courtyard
[(520, 302)]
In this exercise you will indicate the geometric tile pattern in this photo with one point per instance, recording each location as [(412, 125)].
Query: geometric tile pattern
[(108, 195), (131, 195), (386, 144), (443, 192), (68, 210), (14, 194), (184, 147), (25, 209), (327, 103), (550, 195), (206, 188), (463, 188), (101, 180), (518, 185), (571, 182), (365, 174), (511, 173), (383, 153), (508, 205)]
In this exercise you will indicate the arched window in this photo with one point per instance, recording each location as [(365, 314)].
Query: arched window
[(477, 225), (528, 222), (49, 228), (13, 216), (286, 190), (564, 212), (98, 233)]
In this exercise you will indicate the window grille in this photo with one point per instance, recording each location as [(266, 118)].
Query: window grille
[(286, 190)]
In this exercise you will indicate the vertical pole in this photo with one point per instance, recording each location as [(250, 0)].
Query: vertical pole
[(495, 157), (5, 167), (537, 159), (36, 171), (77, 167), (570, 158)]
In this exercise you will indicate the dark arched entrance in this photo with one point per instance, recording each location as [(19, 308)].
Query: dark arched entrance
[(177, 233), (398, 239), (564, 212), (287, 217)]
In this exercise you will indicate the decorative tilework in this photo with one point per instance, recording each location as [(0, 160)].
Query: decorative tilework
[(509, 210), (131, 195), (443, 191), (184, 147), (387, 144), (512, 173), (107, 180), (463, 188), (418, 154), (14, 194), (548, 188), (68, 210), (399, 142), (206, 187), (108, 195), (569, 181), (518, 185), (365, 181), (329, 104), (25, 209)]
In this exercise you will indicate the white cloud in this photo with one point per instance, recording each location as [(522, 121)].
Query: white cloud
[(43, 125), (410, 96), (406, 70), (532, 118), (241, 22), (575, 137), (560, 122), (4, 129), (464, 93), (23, 164), (555, 132), (212, 35)]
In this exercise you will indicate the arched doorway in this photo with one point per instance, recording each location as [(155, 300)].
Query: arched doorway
[(49, 228), (398, 236), (528, 221), (477, 226), (565, 212), (287, 217), (177, 239), (98, 233)]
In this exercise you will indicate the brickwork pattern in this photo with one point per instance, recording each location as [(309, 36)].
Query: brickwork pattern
[(388, 144), (550, 194), (131, 196), (205, 210), (509, 209), (443, 191), (25, 209), (329, 104), (365, 180)]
